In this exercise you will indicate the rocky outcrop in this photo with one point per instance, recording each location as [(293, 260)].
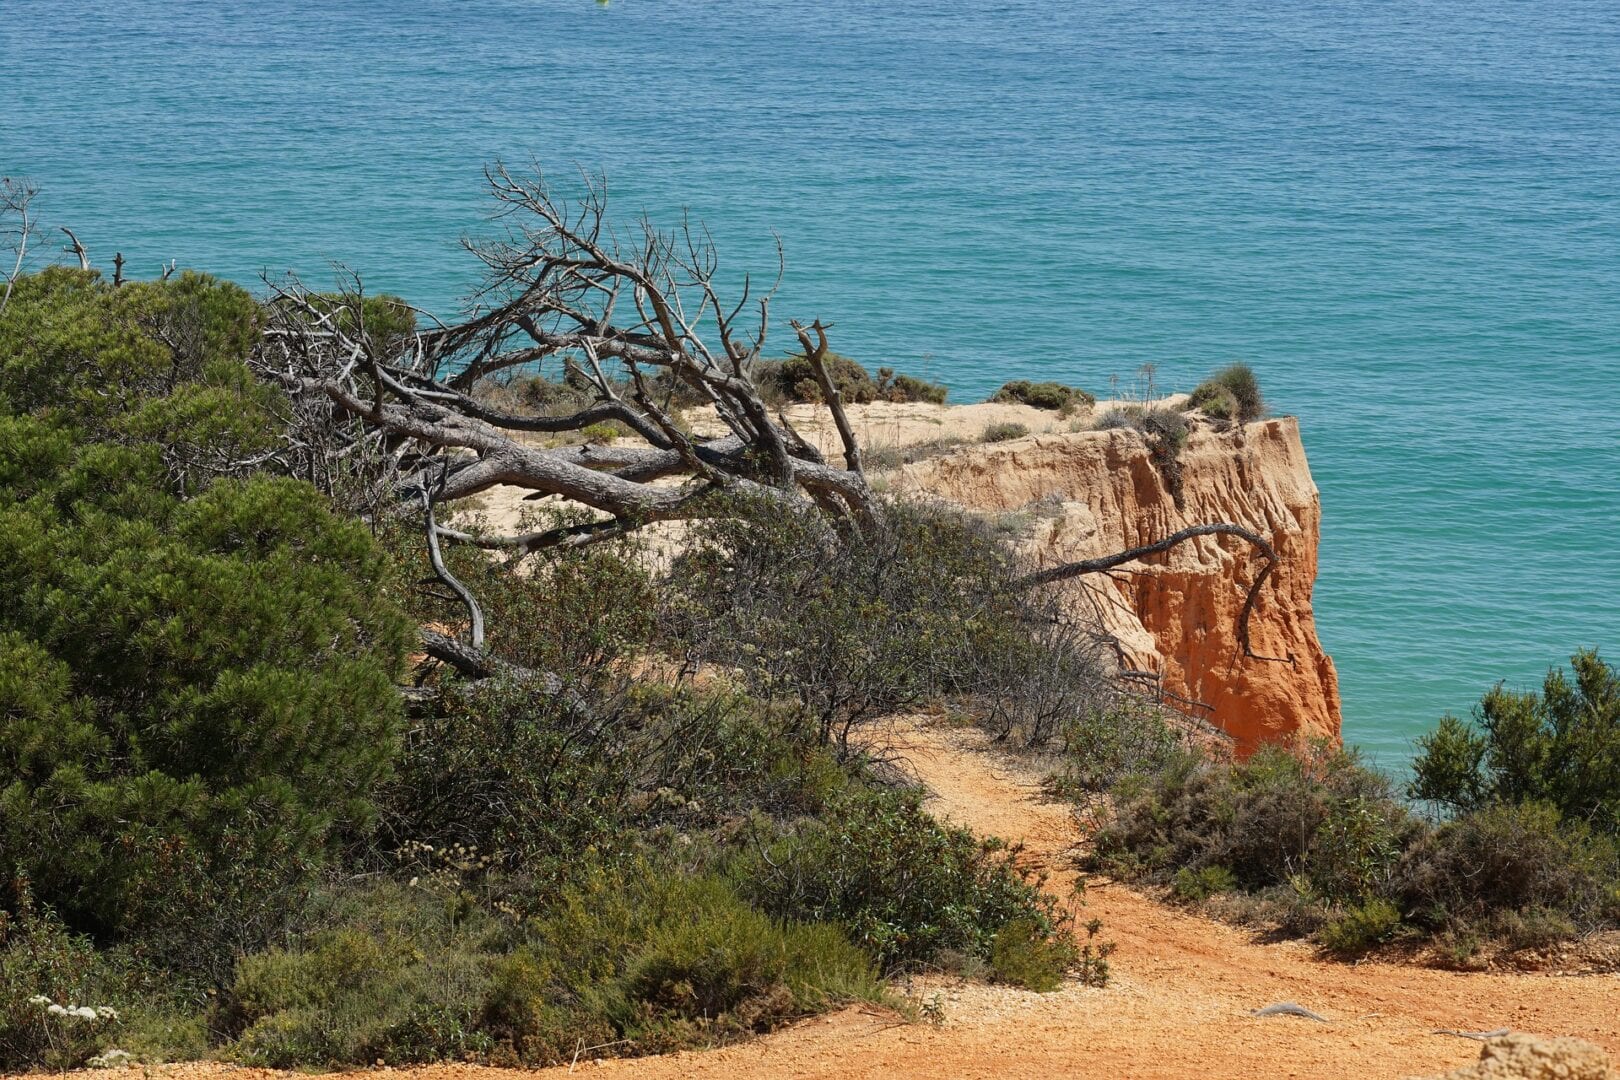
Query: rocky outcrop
[(1176, 615), (1530, 1057)]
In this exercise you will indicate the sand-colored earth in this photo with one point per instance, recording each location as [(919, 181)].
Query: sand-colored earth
[(1178, 1005)]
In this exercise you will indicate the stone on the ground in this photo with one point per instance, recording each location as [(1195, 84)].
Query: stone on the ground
[(1532, 1057)]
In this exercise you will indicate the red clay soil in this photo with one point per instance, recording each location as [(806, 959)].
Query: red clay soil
[(1178, 1005)]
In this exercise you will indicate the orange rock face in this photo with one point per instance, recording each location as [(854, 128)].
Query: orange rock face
[(1176, 615)]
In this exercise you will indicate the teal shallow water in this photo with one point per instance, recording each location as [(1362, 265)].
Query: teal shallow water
[(1404, 216)]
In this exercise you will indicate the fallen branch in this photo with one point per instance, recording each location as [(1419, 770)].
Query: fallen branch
[(1105, 563)]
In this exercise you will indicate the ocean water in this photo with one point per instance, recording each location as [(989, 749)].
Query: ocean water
[(1406, 217)]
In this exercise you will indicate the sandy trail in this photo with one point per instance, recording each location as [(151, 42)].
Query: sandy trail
[(1177, 1006)]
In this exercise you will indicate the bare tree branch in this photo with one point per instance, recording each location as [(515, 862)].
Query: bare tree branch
[(1101, 565)]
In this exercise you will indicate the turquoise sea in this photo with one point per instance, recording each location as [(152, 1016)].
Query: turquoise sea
[(1406, 216)]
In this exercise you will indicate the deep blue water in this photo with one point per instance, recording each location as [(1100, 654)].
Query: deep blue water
[(1403, 215)]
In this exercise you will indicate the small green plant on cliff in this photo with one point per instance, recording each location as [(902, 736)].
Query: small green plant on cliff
[(1233, 393), (1064, 400), (794, 380)]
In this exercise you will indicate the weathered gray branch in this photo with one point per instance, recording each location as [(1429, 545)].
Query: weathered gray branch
[(1105, 563)]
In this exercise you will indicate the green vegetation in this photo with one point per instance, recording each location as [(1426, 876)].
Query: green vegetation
[(1318, 844), (1233, 393), (196, 672), (1065, 400)]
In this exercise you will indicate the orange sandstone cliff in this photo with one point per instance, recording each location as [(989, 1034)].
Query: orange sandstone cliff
[(1176, 615)]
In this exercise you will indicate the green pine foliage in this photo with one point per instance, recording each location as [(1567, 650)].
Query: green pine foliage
[(1560, 747), (196, 675)]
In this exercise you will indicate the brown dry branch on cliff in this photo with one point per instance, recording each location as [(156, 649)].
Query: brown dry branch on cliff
[(637, 315)]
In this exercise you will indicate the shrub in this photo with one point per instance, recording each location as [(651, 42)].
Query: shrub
[(1510, 857), (1044, 395), (1361, 927), (1004, 432), (526, 782), (1561, 747), (642, 960), (1196, 886), (1322, 817), (1233, 393), (906, 887), (861, 626), (1025, 953)]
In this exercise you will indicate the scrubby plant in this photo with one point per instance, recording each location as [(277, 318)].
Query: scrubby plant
[(1044, 395), (1510, 857), (1004, 431), (633, 961), (1233, 393), (1196, 886), (1361, 927), (857, 627)]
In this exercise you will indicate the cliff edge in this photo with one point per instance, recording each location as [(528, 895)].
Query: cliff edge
[(1176, 615)]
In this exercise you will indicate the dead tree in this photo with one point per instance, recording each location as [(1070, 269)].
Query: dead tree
[(17, 227), (637, 316)]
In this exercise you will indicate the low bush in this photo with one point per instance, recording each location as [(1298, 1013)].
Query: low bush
[(858, 627), (1004, 432), (1044, 395), (1509, 858), (1361, 928), (1233, 393), (1196, 886)]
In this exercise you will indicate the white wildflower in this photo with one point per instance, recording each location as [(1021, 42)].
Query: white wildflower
[(56, 1010), (106, 1012), (39, 999), (83, 1012)]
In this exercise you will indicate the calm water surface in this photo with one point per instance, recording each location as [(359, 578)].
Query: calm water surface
[(1404, 216)]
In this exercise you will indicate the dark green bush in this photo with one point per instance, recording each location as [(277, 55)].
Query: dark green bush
[(1560, 746), (1044, 395), (1233, 393), (1510, 857), (527, 782), (1321, 820)]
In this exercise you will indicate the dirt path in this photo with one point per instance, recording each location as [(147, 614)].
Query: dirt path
[(1179, 1001)]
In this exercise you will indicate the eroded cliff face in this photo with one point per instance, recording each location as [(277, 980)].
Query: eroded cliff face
[(1176, 614)]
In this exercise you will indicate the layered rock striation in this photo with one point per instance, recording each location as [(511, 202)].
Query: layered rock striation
[(1175, 616)]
